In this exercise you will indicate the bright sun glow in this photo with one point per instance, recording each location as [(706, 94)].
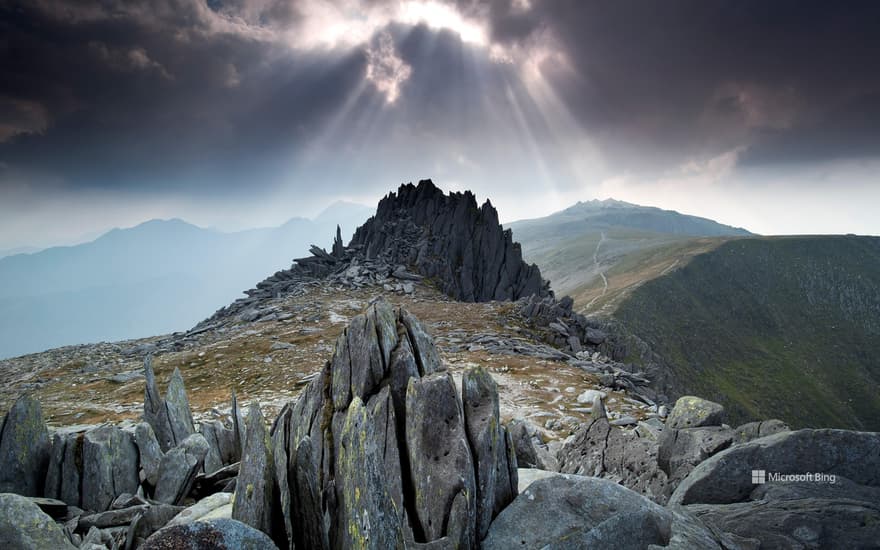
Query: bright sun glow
[(437, 15)]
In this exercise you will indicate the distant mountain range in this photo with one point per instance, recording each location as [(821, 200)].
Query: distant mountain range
[(158, 277)]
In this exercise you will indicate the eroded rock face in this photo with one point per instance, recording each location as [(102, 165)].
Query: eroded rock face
[(382, 452), (24, 449), (170, 417), (448, 237), (602, 450)]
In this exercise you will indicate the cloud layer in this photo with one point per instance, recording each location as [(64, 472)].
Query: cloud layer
[(247, 99)]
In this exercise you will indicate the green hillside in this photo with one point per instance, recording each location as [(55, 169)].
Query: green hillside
[(785, 327)]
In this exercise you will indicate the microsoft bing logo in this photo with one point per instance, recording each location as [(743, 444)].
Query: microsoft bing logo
[(759, 477)]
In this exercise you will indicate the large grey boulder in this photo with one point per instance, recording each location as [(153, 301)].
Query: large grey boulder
[(694, 412), (680, 450), (576, 512), (215, 533), (839, 508), (178, 469), (254, 490), (110, 466), (170, 417), (24, 526), (727, 476), (24, 449)]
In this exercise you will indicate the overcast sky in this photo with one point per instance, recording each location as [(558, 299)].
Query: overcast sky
[(245, 113)]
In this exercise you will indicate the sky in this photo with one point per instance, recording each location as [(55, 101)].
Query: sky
[(245, 113)]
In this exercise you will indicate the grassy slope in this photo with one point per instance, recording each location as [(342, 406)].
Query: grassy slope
[(783, 327)]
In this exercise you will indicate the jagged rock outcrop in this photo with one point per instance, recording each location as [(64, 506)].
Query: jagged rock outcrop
[(24, 449), (447, 237), (171, 417), (531, 451), (381, 450)]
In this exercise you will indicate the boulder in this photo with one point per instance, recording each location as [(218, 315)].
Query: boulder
[(24, 526), (216, 533), (531, 452), (727, 476), (755, 430), (24, 449), (254, 494), (694, 412), (110, 466), (201, 509), (178, 469), (681, 450), (575, 512)]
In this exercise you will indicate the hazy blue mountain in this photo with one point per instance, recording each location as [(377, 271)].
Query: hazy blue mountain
[(18, 250), (158, 277)]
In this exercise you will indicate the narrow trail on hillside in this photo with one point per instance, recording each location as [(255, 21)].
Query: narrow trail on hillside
[(601, 272)]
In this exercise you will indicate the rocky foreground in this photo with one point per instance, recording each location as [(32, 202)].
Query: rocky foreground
[(383, 450)]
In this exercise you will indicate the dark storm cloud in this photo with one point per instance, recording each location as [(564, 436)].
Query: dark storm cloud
[(792, 80), (135, 98)]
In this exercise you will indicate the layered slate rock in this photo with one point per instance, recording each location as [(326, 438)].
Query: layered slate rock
[(575, 512), (254, 493), (24, 526), (170, 417), (819, 511), (178, 469), (110, 459), (24, 449), (379, 451), (451, 239)]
